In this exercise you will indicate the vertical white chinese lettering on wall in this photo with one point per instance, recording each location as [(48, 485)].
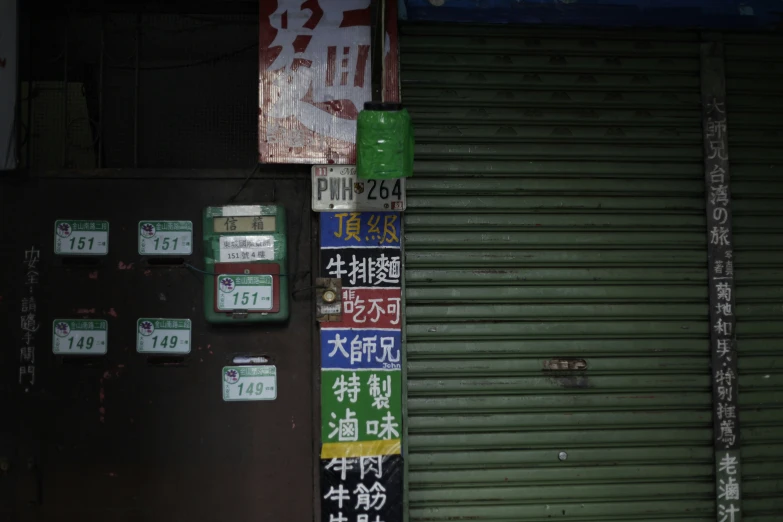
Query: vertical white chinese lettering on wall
[(28, 318), (723, 342)]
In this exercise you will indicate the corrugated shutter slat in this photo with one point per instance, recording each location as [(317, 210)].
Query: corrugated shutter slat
[(556, 217), (754, 71)]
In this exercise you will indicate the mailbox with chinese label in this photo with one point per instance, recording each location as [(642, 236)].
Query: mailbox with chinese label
[(246, 259)]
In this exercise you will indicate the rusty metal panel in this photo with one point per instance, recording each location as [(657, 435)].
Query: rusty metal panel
[(753, 68), (556, 282), (131, 437)]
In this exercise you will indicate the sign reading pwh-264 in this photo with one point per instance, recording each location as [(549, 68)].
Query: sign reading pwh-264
[(339, 188)]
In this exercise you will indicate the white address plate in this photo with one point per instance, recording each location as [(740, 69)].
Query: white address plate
[(79, 336), (337, 188), (81, 237), (158, 335), (165, 238), (249, 383)]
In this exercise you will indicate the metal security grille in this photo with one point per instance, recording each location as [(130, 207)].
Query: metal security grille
[(754, 71), (557, 330)]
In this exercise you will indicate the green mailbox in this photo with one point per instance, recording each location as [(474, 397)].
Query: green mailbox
[(246, 258)]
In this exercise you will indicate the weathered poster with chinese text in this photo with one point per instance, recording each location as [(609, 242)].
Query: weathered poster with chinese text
[(315, 76)]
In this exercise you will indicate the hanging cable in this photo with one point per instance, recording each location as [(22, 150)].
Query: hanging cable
[(205, 61)]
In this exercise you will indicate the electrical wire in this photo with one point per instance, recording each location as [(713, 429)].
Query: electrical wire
[(206, 23), (150, 27), (11, 133), (191, 267), (294, 291), (244, 184), (205, 61), (221, 20)]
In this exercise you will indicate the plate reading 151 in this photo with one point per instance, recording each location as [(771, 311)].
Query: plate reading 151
[(339, 188), (79, 337), (165, 238), (81, 238), (244, 292), (170, 336), (249, 383)]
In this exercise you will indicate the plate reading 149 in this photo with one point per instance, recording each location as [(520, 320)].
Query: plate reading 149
[(165, 238), (244, 292), (249, 383), (339, 188), (169, 336), (79, 337), (81, 238)]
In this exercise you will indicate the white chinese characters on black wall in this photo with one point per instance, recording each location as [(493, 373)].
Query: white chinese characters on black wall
[(720, 246), (369, 267), (28, 318), (362, 489), (721, 260)]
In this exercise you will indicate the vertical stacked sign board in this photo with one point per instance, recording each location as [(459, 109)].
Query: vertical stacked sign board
[(361, 384)]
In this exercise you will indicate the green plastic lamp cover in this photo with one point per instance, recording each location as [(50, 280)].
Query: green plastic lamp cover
[(384, 142)]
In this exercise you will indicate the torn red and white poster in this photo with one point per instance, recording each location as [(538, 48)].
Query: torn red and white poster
[(315, 64)]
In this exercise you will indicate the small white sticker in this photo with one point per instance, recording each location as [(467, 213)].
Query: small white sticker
[(244, 292), (165, 238), (236, 249), (242, 210), (330, 308), (167, 336), (79, 337), (81, 238), (249, 383)]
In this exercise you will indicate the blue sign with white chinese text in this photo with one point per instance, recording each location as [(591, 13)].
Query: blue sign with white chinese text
[(353, 349), (360, 229)]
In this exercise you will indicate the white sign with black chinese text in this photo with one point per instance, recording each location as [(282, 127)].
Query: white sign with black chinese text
[(238, 249)]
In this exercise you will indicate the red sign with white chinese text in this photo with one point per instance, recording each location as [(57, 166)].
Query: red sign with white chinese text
[(315, 76), (369, 308)]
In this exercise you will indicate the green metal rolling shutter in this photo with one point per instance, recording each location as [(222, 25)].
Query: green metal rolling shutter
[(754, 70), (555, 219)]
